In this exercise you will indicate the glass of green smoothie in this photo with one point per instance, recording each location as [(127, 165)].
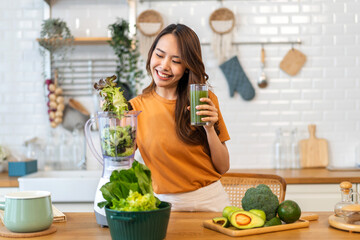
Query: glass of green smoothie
[(197, 91)]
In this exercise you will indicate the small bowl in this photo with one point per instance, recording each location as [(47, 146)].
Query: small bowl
[(352, 213)]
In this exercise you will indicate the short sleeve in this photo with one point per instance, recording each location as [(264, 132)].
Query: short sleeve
[(224, 135)]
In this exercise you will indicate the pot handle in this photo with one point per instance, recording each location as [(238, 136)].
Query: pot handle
[(2, 205), (89, 140), (124, 219)]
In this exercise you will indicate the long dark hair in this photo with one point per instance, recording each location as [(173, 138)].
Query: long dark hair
[(190, 51)]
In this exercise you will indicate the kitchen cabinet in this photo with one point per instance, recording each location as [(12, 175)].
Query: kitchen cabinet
[(315, 197)]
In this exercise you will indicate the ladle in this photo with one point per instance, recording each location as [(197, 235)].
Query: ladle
[(262, 82)]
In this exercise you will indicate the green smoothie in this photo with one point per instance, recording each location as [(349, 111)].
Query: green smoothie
[(195, 96)]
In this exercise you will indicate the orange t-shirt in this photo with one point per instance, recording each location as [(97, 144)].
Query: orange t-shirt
[(175, 166)]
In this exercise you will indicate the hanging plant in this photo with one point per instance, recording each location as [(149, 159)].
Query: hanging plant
[(55, 35), (126, 48), (56, 38)]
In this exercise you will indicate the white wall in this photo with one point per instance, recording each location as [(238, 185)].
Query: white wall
[(326, 91)]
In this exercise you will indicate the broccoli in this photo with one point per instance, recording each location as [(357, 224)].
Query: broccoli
[(261, 198)]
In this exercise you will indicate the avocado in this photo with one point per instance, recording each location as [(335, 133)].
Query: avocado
[(259, 212), (244, 220), (273, 222), (223, 221), (228, 210)]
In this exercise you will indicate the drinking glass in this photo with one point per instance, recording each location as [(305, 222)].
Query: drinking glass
[(197, 91)]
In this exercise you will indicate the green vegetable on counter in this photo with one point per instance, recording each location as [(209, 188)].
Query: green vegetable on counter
[(130, 190), (261, 198)]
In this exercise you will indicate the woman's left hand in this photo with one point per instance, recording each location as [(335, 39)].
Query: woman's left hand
[(209, 111)]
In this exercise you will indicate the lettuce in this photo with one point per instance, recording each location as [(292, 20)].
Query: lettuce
[(114, 100), (130, 190)]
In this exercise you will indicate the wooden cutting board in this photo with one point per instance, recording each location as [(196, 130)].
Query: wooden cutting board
[(293, 62), (313, 151), (340, 223), (234, 232)]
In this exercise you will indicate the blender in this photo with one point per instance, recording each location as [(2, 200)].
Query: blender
[(118, 144)]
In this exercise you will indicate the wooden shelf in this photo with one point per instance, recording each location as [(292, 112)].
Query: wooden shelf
[(90, 40)]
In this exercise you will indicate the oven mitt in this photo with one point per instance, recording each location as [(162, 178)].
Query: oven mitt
[(237, 79)]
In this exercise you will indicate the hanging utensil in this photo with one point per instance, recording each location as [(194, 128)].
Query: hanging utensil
[(262, 82)]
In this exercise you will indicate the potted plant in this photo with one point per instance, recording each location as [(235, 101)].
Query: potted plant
[(128, 71), (56, 38)]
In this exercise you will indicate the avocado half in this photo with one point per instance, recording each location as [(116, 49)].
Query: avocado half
[(224, 222), (245, 220)]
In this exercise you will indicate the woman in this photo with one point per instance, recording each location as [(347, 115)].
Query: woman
[(186, 162)]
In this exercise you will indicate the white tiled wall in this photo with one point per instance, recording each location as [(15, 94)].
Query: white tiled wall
[(326, 91)]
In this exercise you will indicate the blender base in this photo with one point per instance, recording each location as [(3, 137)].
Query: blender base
[(101, 220)]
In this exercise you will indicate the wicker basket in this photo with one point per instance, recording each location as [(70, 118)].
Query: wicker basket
[(222, 14), (236, 184), (151, 17)]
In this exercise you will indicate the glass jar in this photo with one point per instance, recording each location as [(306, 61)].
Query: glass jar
[(346, 198)]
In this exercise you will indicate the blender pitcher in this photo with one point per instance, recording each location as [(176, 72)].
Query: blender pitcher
[(118, 144)]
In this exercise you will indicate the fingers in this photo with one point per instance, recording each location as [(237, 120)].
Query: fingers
[(209, 111)]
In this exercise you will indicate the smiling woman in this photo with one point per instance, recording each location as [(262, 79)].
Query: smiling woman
[(186, 161)]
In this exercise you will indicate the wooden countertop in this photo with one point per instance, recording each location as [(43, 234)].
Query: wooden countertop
[(310, 175), (292, 176), (6, 181), (187, 225)]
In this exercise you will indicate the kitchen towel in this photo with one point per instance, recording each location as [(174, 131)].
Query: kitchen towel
[(58, 215), (237, 79)]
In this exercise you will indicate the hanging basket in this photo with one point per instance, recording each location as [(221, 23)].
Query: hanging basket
[(149, 23), (222, 21)]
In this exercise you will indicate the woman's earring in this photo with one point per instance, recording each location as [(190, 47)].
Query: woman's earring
[(187, 71)]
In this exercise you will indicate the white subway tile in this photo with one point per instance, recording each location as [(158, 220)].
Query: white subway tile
[(300, 19), (344, 18), (311, 30), (337, 72), (279, 19), (345, 105), (301, 83), (322, 40), (257, 20), (353, 116), (353, 94), (300, 105), (289, 116), (268, 9), (333, 51), (323, 19), (320, 105), (352, 29), (289, 30), (268, 30), (311, 8), (353, 72), (334, 94), (311, 116), (289, 8), (334, 116), (312, 94)]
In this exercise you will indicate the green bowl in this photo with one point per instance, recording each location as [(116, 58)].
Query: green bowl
[(149, 225)]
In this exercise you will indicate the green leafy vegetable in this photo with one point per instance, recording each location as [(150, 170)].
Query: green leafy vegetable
[(130, 190), (118, 141), (114, 100)]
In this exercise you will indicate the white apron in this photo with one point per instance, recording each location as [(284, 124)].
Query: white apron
[(211, 198)]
